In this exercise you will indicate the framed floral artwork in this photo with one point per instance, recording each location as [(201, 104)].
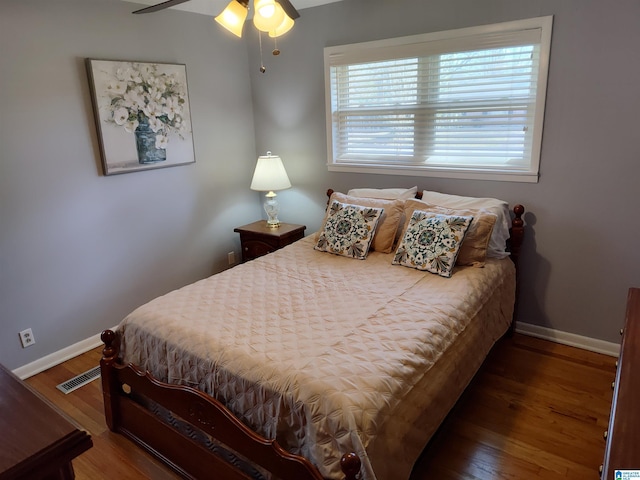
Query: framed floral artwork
[(142, 114)]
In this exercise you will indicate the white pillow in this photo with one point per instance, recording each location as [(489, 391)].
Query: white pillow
[(500, 232), (384, 193)]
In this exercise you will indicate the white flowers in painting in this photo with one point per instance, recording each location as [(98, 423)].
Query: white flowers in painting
[(121, 116), (140, 94)]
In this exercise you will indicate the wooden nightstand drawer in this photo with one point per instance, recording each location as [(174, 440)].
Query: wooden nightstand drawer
[(256, 248), (257, 238)]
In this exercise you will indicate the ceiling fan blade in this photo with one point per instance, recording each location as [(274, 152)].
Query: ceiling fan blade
[(162, 6), (289, 9)]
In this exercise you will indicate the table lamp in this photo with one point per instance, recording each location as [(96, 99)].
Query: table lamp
[(269, 176)]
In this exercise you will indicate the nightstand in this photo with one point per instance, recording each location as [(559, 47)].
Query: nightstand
[(257, 238)]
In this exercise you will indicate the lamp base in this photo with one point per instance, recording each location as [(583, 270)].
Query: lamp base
[(272, 208)]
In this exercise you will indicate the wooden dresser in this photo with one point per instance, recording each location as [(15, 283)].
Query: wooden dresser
[(37, 441), (622, 451)]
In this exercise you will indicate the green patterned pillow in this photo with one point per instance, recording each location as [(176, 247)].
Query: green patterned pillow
[(432, 242), (348, 230)]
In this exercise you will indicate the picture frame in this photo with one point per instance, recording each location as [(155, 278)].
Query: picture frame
[(142, 114)]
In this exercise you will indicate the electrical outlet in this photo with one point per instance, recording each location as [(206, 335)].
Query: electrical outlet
[(231, 257), (26, 338)]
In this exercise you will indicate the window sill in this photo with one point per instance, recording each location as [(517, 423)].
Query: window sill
[(433, 172)]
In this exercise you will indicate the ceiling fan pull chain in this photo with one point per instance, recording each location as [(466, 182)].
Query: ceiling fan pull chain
[(276, 50), (262, 67)]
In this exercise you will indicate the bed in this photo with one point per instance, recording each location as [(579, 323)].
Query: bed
[(309, 363)]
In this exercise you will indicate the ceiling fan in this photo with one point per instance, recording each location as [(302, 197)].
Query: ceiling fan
[(274, 17), (270, 16), (285, 4)]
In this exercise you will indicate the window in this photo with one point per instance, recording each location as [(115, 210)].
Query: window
[(464, 103)]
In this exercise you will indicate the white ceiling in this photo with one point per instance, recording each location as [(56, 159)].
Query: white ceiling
[(214, 7)]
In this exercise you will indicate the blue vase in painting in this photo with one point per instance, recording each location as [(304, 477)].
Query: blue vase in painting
[(146, 143)]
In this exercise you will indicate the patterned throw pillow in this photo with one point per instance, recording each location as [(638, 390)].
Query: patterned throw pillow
[(473, 250), (388, 224), (432, 242), (348, 230)]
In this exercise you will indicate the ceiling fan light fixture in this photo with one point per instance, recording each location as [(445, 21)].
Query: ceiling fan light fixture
[(265, 8), (268, 15), (233, 17), (284, 27)]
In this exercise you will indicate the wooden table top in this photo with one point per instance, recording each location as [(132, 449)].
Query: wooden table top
[(34, 434), (261, 227)]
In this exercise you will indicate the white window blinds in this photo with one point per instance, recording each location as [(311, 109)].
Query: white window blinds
[(458, 103)]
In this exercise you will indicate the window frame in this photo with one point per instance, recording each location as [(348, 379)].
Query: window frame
[(390, 49)]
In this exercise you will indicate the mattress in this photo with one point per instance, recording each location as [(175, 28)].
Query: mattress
[(326, 353)]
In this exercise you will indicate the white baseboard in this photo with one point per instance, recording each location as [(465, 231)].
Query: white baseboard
[(571, 339), (58, 357)]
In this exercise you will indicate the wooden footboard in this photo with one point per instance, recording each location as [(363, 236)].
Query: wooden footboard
[(192, 432)]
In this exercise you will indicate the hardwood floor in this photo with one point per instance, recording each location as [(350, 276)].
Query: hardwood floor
[(535, 410)]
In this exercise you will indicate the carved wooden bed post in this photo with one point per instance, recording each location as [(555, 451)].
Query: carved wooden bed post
[(109, 384), (515, 242), (517, 233), (350, 464)]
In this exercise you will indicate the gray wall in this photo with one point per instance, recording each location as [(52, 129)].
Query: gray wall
[(79, 250), (580, 254)]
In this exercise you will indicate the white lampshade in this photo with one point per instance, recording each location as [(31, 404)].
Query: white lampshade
[(270, 174), (233, 17)]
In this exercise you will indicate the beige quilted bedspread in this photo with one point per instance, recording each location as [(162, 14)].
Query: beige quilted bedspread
[(322, 351)]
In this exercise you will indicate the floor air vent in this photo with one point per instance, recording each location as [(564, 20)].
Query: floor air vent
[(77, 382)]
